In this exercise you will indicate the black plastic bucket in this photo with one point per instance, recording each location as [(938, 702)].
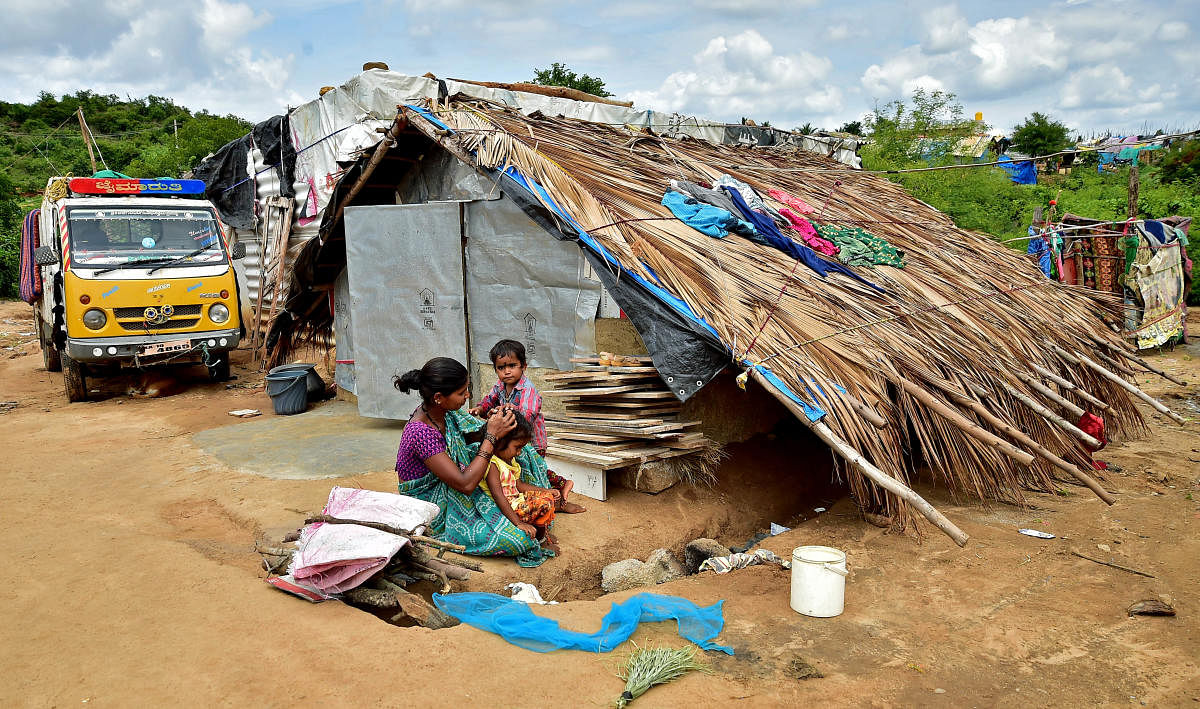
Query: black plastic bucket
[(288, 392), (314, 383)]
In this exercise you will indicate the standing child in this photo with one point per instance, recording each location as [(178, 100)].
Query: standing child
[(529, 507), (515, 390)]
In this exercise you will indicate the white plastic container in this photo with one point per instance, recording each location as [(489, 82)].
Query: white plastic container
[(818, 581)]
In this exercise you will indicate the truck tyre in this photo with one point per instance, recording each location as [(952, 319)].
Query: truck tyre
[(50, 354), (219, 372), (74, 379)]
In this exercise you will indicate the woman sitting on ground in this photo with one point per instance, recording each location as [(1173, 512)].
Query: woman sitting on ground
[(442, 460)]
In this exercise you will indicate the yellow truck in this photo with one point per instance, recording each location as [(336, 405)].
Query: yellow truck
[(134, 273)]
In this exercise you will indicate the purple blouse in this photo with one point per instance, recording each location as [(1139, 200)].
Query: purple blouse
[(418, 443)]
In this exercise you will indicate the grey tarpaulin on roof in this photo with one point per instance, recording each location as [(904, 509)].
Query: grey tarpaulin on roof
[(525, 287), (686, 355), (277, 150), (226, 168)]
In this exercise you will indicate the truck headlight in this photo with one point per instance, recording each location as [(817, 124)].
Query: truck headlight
[(95, 319), (218, 313)]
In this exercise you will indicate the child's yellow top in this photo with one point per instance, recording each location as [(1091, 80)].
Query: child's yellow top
[(510, 473)]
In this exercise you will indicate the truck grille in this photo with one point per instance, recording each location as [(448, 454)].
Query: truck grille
[(173, 324), (139, 313)]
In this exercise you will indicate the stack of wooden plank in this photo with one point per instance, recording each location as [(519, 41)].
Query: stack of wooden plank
[(616, 416)]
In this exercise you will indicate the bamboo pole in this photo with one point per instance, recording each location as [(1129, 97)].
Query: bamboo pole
[(865, 411), (1158, 405), (381, 149), (1051, 395), (1116, 365), (1134, 358), (1071, 387), (1082, 436), (1021, 437), (863, 466), (962, 423)]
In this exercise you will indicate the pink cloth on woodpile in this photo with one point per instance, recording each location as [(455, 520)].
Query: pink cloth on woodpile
[(792, 201), (809, 234), (338, 557)]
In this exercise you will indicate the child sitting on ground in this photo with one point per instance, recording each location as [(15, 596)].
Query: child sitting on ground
[(529, 507), (515, 390)]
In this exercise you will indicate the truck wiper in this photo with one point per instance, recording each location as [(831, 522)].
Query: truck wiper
[(129, 264), (185, 257)]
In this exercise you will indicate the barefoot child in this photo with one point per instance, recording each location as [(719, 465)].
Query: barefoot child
[(515, 390), (529, 507)]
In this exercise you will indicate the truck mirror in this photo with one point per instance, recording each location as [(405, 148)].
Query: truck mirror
[(239, 250), (45, 256)]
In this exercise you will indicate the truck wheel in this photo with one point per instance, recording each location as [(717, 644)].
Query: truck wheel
[(74, 379), (219, 372), (51, 356)]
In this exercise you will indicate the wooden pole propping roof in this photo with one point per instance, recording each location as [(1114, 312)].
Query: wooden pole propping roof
[(381, 149), (1134, 358), (962, 423), (1071, 387), (1050, 395), (1158, 405), (863, 466), (1021, 437)]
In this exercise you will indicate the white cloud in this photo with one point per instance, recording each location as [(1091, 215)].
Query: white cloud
[(196, 53), (1016, 53), (1173, 31), (1105, 86), (742, 75), (945, 29)]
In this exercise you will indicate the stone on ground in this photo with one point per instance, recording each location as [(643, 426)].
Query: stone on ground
[(700, 549)]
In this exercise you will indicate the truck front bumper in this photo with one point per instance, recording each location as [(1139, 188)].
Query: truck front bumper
[(111, 349)]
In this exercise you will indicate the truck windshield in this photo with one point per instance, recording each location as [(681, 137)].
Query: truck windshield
[(105, 237)]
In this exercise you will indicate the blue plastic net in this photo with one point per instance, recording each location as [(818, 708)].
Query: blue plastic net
[(516, 623)]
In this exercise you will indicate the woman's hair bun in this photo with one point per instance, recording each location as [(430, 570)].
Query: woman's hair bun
[(409, 381)]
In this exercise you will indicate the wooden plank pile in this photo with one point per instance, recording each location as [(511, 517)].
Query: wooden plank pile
[(617, 415)]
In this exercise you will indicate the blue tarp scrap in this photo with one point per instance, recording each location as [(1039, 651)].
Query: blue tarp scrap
[(812, 412), (518, 624), (1021, 172)]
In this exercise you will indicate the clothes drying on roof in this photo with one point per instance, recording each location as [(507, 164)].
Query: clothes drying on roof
[(768, 231), (751, 197), (858, 247), (807, 232), (704, 218), (716, 197), (791, 200)]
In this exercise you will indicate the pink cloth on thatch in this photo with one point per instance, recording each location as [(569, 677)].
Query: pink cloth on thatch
[(792, 201), (809, 234)]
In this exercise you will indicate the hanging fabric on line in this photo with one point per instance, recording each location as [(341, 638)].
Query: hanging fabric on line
[(858, 247), (516, 623)]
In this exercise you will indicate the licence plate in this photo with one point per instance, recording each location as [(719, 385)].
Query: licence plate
[(164, 347)]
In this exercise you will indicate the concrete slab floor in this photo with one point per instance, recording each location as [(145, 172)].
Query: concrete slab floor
[(328, 441)]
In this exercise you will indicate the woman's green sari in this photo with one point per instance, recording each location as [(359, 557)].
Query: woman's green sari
[(474, 520)]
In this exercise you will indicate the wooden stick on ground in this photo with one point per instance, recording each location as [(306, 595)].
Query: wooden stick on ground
[(1158, 405), (963, 423), (1021, 437), (1115, 566), (389, 529), (865, 467), (1134, 358), (1071, 387), (1050, 395)]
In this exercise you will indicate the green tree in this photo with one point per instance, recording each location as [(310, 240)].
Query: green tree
[(807, 129), (1041, 135), (10, 238), (1182, 163), (559, 75), (852, 127), (926, 128)]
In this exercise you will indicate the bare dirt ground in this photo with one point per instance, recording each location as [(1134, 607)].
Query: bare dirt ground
[(130, 582)]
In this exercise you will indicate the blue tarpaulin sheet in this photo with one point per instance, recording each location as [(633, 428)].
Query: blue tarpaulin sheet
[(1021, 172)]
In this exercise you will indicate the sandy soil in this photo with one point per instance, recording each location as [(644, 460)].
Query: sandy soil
[(130, 579)]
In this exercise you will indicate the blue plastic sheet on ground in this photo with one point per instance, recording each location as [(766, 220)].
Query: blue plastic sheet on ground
[(1021, 172), (518, 624)]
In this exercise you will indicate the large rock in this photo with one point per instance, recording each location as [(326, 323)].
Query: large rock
[(661, 566), (622, 575), (652, 477), (698, 550)]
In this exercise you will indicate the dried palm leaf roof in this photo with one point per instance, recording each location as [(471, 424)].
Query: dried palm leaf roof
[(962, 327)]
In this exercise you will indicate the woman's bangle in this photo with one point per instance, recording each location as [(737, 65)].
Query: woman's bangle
[(490, 438)]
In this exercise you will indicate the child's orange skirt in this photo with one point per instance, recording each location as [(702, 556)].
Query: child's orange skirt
[(535, 507)]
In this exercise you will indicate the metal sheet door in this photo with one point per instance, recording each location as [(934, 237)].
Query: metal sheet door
[(406, 297)]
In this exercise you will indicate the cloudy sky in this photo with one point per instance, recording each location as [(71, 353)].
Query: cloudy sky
[(1121, 65)]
